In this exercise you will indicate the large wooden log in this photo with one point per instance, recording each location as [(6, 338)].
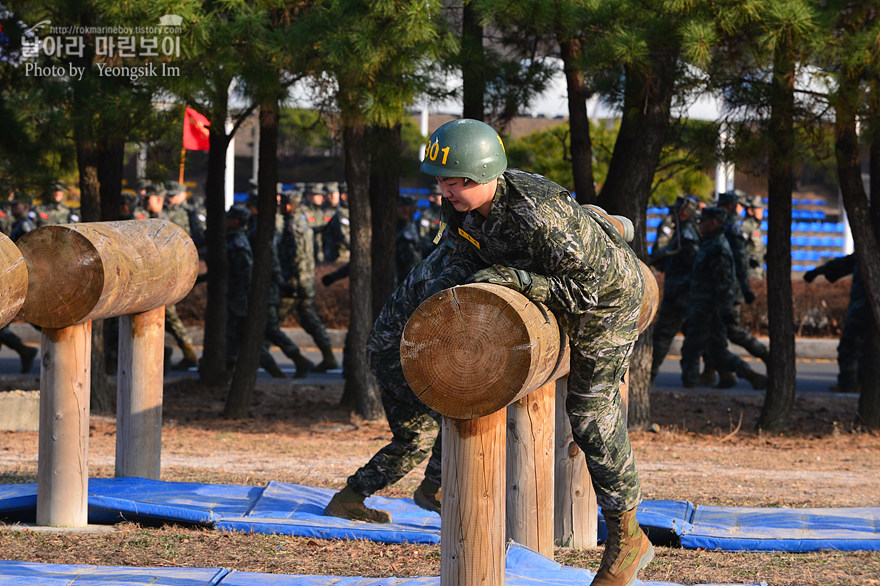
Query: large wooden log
[(472, 524), (139, 394), (530, 475), (62, 467), (81, 272), (13, 280), (472, 350)]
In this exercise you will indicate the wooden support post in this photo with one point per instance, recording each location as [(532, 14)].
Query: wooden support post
[(530, 462), (139, 394), (62, 468), (472, 516), (576, 509)]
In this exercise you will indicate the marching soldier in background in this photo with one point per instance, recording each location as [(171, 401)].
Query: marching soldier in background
[(676, 260), (297, 257), (238, 288), (751, 228), (736, 333), (337, 232), (318, 217), (129, 207), (53, 210), (428, 220), (408, 245), (853, 335), (22, 217), (712, 296)]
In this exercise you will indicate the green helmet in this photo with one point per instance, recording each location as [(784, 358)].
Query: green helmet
[(465, 148)]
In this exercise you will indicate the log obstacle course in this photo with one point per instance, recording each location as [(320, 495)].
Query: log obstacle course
[(77, 273), (13, 280), (468, 353)]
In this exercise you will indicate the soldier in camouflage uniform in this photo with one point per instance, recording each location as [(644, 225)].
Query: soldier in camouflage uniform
[(676, 260), (736, 333), (297, 257), (712, 294), (337, 232), (854, 334), (317, 216), (175, 211), (241, 265), (751, 228), (53, 211), (522, 231), (415, 428), (18, 225), (273, 333), (408, 245), (428, 220)]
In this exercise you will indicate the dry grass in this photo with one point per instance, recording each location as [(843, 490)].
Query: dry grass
[(299, 435)]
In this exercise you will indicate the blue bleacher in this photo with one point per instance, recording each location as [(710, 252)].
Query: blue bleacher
[(813, 256), (651, 236), (764, 239), (800, 255), (764, 225), (653, 222), (799, 241)]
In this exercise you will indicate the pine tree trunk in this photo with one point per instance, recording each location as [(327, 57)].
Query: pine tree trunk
[(384, 192), (779, 399), (473, 68), (361, 392), (643, 129), (579, 123), (212, 368), (855, 200), (242, 389)]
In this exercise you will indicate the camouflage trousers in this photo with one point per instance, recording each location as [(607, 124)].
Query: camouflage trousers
[(414, 427), (853, 338), (601, 347), (174, 326), (274, 334), (670, 321), (741, 336), (705, 334), (307, 316)]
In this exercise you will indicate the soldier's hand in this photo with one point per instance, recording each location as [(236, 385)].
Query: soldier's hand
[(811, 275), (516, 279), (749, 297)]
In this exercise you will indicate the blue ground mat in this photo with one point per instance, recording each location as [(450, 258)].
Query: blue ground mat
[(794, 530), (523, 567), (292, 509)]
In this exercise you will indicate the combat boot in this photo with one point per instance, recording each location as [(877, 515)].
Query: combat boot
[(857, 388), (303, 365), (328, 361), (627, 550), (272, 368), (189, 359), (347, 504), (427, 496), (726, 380), (708, 377), (756, 379), (27, 355)]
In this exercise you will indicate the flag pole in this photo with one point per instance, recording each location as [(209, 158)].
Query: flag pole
[(182, 150), (182, 163)]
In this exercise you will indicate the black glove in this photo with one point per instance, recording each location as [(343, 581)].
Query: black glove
[(753, 263), (516, 279), (439, 285), (728, 318), (749, 297), (810, 276)]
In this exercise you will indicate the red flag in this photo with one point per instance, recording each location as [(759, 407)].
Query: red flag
[(195, 131)]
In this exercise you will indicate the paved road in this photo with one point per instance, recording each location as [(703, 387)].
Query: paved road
[(816, 365)]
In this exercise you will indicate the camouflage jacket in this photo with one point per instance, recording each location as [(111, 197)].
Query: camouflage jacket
[(713, 281), (297, 257), (241, 265), (53, 212), (408, 248), (577, 260), (678, 258), (179, 215), (737, 241), (754, 240), (20, 227)]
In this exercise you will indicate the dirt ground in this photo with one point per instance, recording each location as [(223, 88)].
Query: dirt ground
[(704, 449)]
